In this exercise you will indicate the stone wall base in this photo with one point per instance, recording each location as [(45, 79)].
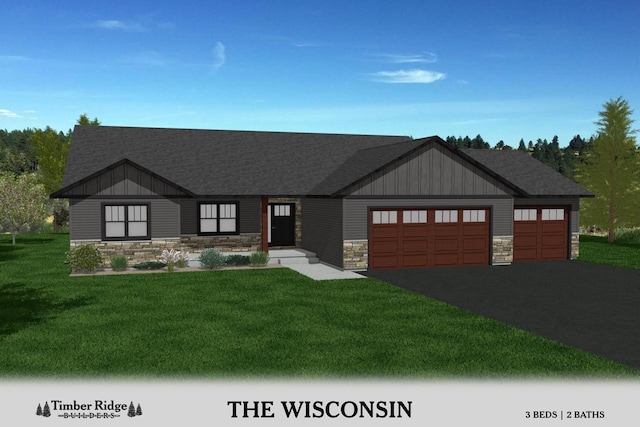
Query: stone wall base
[(135, 251), (502, 250), (151, 250), (238, 243), (355, 254), (575, 245)]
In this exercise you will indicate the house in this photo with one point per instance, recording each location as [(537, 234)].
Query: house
[(357, 201)]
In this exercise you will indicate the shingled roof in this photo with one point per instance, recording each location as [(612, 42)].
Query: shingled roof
[(529, 176), (248, 163), (218, 162)]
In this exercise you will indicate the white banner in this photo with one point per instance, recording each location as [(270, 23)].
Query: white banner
[(315, 403)]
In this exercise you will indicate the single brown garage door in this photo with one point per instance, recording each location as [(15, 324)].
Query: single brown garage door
[(415, 238), (540, 233)]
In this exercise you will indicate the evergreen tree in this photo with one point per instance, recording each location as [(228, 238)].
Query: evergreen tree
[(138, 410), (39, 410), (84, 120), (46, 412), (611, 170), (132, 410), (521, 146)]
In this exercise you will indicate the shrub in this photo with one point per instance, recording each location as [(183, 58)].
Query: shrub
[(630, 235), (211, 258), (238, 260), (84, 258), (183, 259), (259, 258), (119, 262), (149, 265)]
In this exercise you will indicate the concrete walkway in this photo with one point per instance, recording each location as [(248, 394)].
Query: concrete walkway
[(300, 260)]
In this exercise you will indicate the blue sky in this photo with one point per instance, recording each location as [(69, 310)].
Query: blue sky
[(502, 69)]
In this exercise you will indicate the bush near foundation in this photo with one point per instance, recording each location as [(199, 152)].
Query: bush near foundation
[(211, 258), (84, 258)]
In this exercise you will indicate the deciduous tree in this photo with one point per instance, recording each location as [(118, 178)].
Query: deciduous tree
[(22, 203)]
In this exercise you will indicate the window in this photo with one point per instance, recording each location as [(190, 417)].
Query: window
[(524, 214), (447, 216), (414, 217), (385, 217), (282, 210), (218, 218), (552, 214), (126, 221), (473, 215)]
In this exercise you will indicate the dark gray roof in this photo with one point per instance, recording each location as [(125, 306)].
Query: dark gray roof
[(218, 162), (365, 162), (532, 177), (247, 163)]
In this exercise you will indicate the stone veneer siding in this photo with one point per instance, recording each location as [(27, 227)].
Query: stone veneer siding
[(502, 250), (249, 242), (355, 254), (575, 245), (135, 251), (298, 215), (151, 250)]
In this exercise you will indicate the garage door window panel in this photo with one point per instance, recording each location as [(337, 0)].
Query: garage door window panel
[(385, 217), (525, 214), (443, 216)]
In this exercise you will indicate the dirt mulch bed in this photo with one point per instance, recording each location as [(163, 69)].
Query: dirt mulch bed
[(108, 271)]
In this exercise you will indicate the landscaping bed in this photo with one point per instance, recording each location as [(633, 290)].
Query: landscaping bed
[(110, 271)]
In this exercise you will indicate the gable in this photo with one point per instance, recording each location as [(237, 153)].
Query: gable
[(434, 170), (122, 179)]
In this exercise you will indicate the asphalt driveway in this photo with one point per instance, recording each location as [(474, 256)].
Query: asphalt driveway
[(595, 308)]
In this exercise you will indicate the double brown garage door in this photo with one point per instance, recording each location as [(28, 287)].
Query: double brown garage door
[(414, 238)]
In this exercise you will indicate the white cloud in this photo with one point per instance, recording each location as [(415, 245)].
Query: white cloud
[(407, 76), (8, 113), (219, 56), (114, 24), (425, 57)]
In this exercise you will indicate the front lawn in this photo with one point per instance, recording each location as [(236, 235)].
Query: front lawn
[(623, 253), (256, 323)]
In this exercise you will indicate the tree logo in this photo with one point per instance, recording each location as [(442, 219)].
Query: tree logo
[(99, 409), (46, 412)]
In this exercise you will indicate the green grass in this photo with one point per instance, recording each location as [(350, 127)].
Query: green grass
[(255, 324), (623, 252)]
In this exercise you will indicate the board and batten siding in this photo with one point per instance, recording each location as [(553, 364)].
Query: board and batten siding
[(322, 229), (124, 180), (573, 203), (85, 217), (431, 171), (356, 218), (249, 211)]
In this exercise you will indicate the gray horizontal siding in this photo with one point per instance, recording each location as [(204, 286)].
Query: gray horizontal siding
[(431, 171), (322, 229), (573, 203), (124, 180), (85, 217), (249, 210), (356, 220)]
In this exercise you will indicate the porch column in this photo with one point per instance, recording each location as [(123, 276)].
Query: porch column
[(264, 245)]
